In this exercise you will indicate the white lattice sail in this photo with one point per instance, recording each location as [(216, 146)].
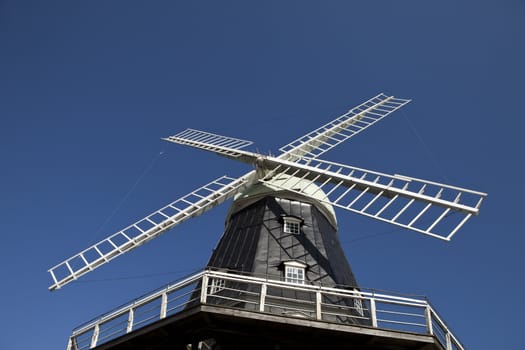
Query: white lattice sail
[(144, 230)]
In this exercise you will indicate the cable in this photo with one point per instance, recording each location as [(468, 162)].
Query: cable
[(373, 235), (425, 147), (146, 170), (152, 275)]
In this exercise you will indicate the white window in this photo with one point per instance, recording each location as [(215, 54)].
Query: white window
[(358, 304), (291, 225), (216, 285), (294, 272)]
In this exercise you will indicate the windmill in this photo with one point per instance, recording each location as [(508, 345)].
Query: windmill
[(282, 226)]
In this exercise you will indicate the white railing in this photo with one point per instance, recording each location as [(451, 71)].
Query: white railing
[(334, 305)]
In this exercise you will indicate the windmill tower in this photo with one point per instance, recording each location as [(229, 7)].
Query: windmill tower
[(278, 278)]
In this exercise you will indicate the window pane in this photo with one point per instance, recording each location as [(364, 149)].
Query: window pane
[(291, 227), (217, 285), (294, 274)]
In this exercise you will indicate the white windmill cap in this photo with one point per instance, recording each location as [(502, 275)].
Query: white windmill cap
[(279, 186)]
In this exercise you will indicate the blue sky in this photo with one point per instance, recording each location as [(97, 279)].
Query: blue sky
[(88, 88)]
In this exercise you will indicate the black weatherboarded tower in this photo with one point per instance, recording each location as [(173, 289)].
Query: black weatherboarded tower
[(270, 232), (278, 278)]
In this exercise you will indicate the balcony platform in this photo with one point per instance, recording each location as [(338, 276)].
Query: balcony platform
[(223, 311), (239, 329)]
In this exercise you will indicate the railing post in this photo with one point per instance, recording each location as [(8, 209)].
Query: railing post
[(163, 305), (131, 315), (449, 341), (318, 302), (70, 344), (94, 338), (204, 288), (428, 317), (262, 298), (373, 313)]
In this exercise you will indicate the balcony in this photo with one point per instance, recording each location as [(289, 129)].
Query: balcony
[(236, 298)]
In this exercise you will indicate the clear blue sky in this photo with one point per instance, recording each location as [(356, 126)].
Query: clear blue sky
[(88, 88)]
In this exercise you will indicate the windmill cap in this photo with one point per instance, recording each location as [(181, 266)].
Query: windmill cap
[(285, 186)]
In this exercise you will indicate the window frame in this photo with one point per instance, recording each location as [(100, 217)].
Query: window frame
[(294, 272), (292, 224), (216, 285), (358, 303)]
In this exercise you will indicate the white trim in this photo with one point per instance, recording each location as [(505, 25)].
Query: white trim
[(295, 263)]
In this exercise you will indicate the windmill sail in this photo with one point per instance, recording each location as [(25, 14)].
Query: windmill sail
[(323, 139), (142, 231), (427, 207), (228, 147)]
